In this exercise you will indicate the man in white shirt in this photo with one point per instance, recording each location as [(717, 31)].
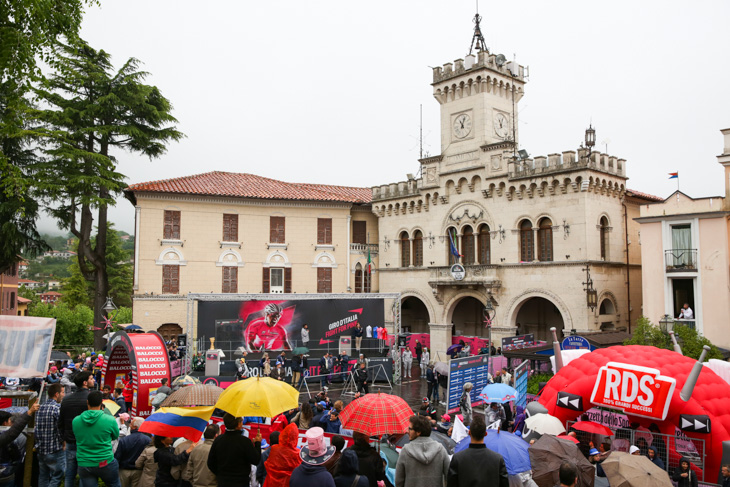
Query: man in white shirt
[(686, 313)]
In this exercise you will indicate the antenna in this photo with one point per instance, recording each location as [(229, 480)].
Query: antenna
[(477, 39), (420, 133)]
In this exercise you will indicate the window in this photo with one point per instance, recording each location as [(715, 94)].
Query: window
[(276, 280), (359, 232), (485, 252), (170, 279), (171, 230), (527, 242), (405, 250), (277, 233), (545, 240), (418, 249), (230, 279), (324, 279), (467, 245), (604, 238), (12, 301), (358, 279), (324, 231), (230, 228), (451, 241), (682, 245)]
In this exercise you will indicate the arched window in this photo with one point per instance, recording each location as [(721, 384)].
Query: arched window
[(527, 242), (485, 251), (405, 250), (545, 240), (604, 238), (467, 245), (418, 249), (451, 239), (358, 278)]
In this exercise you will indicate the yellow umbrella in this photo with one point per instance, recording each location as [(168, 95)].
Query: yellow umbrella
[(258, 396)]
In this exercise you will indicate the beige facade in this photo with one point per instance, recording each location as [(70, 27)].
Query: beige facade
[(201, 259), (685, 252), (573, 206)]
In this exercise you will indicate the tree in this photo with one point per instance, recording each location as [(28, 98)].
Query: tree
[(691, 342), (73, 324), (94, 109)]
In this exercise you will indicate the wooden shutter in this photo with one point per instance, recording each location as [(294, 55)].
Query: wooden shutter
[(230, 228), (170, 279), (359, 232), (358, 281), (418, 250), (545, 241), (266, 287), (287, 279), (484, 245), (230, 279), (405, 250), (324, 231), (324, 280), (171, 229), (277, 233)]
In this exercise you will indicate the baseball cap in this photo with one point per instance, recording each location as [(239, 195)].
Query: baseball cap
[(425, 399), (596, 452), (633, 449), (322, 403)]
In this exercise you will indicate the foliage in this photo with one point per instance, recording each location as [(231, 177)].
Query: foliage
[(57, 242), (49, 267), (690, 341), (123, 316), (533, 382), (72, 323), (26, 293)]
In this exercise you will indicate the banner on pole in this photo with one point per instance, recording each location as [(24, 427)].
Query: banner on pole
[(522, 372), (25, 345)]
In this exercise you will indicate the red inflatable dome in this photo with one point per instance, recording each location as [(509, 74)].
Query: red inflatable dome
[(594, 374)]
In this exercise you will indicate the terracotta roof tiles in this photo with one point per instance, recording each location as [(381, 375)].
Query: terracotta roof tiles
[(644, 196)]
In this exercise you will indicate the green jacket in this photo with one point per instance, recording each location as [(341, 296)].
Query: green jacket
[(94, 431)]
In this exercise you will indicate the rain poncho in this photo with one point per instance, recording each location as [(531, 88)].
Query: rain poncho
[(283, 459)]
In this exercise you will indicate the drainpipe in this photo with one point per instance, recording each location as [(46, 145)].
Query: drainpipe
[(347, 253), (628, 271)]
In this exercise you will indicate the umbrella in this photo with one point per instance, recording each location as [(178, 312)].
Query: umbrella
[(569, 438), (500, 393), (454, 348), (592, 427), (442, 368), (624, 470), (513, 449), (185, 380), (377, 414), (132, 326), (195, 395), (548, 453), (58, 355), (545, 424), (300, 350), (258, 396)]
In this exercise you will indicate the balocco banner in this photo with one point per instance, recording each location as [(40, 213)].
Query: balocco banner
[(144, 356)]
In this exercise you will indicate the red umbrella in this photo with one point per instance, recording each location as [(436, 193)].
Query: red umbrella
[(377, 414), (569, 438), (592, 427)]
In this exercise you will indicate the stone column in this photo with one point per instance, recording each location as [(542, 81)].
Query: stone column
[(440, 341)]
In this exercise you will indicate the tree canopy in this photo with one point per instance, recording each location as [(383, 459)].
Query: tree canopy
[(645, 333)]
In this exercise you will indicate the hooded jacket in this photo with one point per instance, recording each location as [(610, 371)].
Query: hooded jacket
[(94, 431), (690, 480), (656, 460), (283, 459), (519, 419), (306, 475), (422, 463), (347, 469)]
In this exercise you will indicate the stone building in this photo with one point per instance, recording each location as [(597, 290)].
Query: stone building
[(539, 235), (224, 232)]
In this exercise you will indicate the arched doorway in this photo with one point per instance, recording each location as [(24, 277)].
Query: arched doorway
[(468, 317), (537, 315), (414, 315), (170, 331)]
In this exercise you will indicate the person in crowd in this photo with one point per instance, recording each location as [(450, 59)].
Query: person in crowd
[(48, 440), (492, 350), (600, 480), (425, 361), (407, 358), (305, 335), (686, 313), (361, 359), (634, 450), (348, 471), (279, 372), (358, 332), (343, 359), (519, 421), (725, 472), (67, 378), (428, 411), (508, 420), (146, 462), (128, 391), (232, 454), (371, 465), (164, 387), (281, 358), (444, 426), (106, 392), (72, 406), (166, 459), (477, 465), (443, 381), (314, 454), (568, 475), (683, 474), (94, 431), (305, 369), (499, 350), (423, 462), (296, 370), (320, 412), (12, 448), (361, 379), (419, 352), (465, 403), (658, 441), (653, 455), (331, 421), (197, 468), (506, 376), (128, 451), (241, 367), (303, 419), (53, 375), (267, 366), (433, 385), (283, 459), (333, 463), (261, 468), (117, 397)]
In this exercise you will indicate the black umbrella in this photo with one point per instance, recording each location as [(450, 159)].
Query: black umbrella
[(58, 355)]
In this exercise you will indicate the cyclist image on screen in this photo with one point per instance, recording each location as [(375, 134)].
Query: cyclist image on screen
[(266, 333)]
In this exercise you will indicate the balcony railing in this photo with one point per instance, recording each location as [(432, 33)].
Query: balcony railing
[(364, 248), (681, 260)]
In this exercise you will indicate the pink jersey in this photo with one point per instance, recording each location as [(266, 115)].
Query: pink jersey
[(259, 335)]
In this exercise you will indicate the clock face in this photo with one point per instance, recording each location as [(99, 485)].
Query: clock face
[(501, 125), (462, 126)]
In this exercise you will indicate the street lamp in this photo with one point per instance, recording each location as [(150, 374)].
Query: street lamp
[(590, 137), (109, 306), (666, 324), (489, 313)]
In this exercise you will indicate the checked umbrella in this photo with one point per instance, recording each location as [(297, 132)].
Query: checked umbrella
[(377, 414)]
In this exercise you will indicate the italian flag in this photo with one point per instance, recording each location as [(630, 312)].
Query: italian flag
[(370, 262)]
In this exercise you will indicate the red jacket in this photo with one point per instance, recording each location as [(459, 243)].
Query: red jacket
[(283, 459), (128, 391)]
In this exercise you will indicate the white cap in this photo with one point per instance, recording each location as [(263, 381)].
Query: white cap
[(633, 449)]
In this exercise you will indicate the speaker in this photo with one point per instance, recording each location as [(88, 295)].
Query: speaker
[(182, 340)]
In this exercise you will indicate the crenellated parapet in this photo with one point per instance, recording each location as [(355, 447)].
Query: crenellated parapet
[(567, 161)]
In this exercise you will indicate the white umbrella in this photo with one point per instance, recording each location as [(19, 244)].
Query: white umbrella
[(545, 424)]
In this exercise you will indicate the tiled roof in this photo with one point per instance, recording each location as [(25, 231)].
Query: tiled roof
[(644, 196), (242, 185), (51, 293)]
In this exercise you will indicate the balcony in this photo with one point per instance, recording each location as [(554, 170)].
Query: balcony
[(681, 260), (476, 275), (361, 248)]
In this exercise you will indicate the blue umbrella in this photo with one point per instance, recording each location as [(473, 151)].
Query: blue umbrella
[(132, 327), (512, 447), (500, 393)]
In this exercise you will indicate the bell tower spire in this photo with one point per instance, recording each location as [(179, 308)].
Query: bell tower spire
[(477, 39)]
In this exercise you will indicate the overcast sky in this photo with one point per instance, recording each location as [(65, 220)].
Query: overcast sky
[(329, 91)]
